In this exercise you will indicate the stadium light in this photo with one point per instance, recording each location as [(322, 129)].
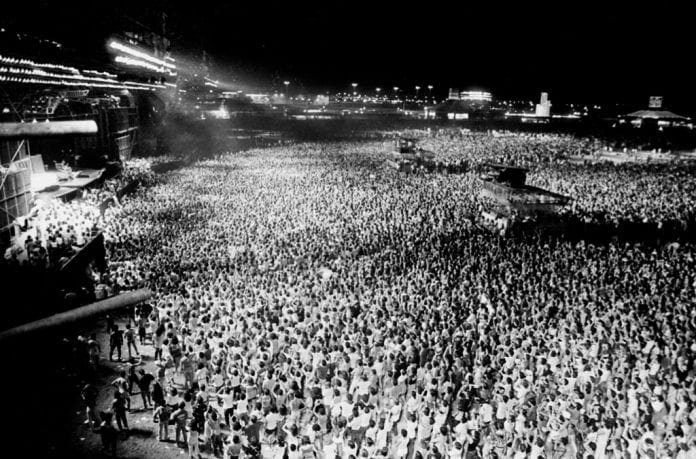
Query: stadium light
[(26, 71), (132, 62), (136, 53)]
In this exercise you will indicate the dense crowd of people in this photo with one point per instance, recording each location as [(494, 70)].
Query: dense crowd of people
[(520, 149), (661, 194), (310, 303), (645, 193)]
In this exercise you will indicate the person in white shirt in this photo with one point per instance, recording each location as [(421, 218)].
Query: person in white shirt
[(382, 438), (272, 419), (521, 451), (412, 427), (350, 448), (602, 440), (228, 403), (307, 449), (294, 451), (193, 446), (292, 436), (330, 450), (242, 405), (278, 450), (486, 413), (394, 414), (501, 412), (369, 447), (456, 451), (371, 432), (400, 444)]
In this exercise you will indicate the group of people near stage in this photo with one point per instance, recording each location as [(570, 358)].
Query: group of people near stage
[(520, 149), (309, 302), (605, 193), (634, 193), (56, 230)]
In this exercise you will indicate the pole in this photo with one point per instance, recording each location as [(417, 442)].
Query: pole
[(49, 128), (81, 313)]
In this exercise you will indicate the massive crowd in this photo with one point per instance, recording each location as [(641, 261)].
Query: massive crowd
[(663, 194), (660, 194), (309, 302), (521, 149)]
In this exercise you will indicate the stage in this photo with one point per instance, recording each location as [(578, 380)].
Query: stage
[(59, 185)]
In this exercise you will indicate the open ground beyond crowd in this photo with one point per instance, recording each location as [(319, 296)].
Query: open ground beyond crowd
[(334, 307)]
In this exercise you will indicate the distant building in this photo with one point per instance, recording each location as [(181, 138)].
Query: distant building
[(656, 118), (321, 99), (476, 96), (471, 96), (462, 105), (543, 108), (262, 99), (655, 102), (450, 109)]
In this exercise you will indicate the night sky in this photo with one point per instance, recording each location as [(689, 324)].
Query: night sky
[(582, 51)]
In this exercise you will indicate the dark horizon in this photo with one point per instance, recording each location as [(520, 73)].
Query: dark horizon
[(584, 53)]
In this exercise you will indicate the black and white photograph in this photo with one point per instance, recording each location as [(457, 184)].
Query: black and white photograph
[(347, 230)]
